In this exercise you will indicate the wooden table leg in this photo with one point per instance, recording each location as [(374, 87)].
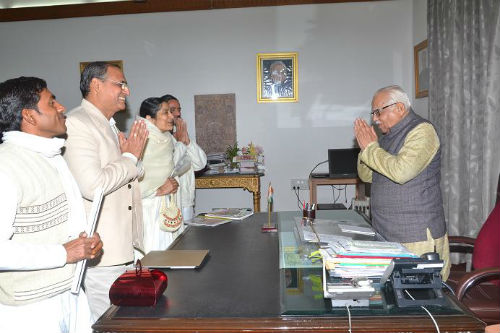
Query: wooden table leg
[(256, 202), (312, 191)]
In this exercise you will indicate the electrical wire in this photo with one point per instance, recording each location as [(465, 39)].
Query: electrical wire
[(317, 165), (333, 193), (339, 189), (428, 312), (300, 204), (448, 286), (349, 316)]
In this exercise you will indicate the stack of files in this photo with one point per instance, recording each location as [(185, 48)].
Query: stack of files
[(353, 258), (352, 267), (216, 162)]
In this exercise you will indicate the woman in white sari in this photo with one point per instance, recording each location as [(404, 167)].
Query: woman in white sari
[(156, 185)]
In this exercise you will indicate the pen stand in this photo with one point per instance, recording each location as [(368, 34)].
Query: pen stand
[(309, 214)]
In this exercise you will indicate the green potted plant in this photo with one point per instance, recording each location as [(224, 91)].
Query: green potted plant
[(232, 151)]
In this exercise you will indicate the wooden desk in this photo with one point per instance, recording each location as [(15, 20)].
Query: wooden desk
[(240, 288), (249, 182), (315, 182)]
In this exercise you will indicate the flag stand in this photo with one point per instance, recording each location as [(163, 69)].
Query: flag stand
[(269, 227)]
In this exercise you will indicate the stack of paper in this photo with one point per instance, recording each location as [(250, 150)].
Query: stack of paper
[(230, 213), (369, 248), (203, 221), (216, 162)]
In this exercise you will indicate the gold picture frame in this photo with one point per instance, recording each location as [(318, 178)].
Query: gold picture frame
[(421, 60), (118, 63), (277, 77)]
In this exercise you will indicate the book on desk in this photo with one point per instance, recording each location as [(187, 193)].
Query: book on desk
[(176, 259)]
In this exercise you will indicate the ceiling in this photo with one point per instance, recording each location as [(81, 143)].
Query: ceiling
[(23, 10), (44, 3)]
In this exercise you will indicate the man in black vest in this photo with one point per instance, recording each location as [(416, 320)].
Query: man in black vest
[(404, 169)]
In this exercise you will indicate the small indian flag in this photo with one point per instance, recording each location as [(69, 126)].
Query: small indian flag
[(270, 192)]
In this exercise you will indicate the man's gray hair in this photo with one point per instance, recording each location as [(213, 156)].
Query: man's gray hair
[(397, 94)]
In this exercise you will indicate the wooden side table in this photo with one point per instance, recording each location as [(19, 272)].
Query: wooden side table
[(249, 182), (315, 182)]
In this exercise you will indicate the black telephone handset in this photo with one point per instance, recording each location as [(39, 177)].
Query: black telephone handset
[(430, 256)]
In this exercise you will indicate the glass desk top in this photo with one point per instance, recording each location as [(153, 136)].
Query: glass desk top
[(301, 289), (294, 253)]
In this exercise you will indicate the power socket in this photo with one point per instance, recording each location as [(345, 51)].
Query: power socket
[(299, 184)]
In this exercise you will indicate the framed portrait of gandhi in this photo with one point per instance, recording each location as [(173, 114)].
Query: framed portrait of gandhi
[(277, 77)]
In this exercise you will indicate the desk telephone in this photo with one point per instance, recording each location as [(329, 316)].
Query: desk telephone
[(414, 281)]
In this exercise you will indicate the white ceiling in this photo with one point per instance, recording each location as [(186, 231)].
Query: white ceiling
[(42, 3)]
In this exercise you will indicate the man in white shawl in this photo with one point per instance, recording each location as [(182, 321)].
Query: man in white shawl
[(42, 217)]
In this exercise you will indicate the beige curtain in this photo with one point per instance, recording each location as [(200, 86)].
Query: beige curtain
[(464, 99)]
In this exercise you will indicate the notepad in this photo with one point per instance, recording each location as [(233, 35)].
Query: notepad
[(177, 259)]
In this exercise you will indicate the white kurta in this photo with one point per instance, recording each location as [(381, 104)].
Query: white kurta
[(187, 180)]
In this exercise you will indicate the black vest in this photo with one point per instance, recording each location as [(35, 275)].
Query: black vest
[(403, 212)]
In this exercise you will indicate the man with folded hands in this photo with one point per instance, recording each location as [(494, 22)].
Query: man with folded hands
[(42, 217), (404, 169), (99, 155), (184, 145)]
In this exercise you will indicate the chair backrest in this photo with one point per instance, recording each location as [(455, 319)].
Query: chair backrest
[(487, 245)]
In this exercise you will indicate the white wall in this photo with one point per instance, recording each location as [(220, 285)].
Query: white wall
[(420, 105), (346, 51)]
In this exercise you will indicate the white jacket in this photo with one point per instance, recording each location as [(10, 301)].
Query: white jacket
[(198, 162)]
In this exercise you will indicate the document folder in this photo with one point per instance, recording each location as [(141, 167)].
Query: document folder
[(174, 259)]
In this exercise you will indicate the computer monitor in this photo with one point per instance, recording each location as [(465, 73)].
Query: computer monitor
[(343, 162)]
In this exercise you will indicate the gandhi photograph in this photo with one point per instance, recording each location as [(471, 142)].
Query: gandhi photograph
[(277, 78)]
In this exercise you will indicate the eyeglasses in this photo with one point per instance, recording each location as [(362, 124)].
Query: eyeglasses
[(122, 84), (376, 112)]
